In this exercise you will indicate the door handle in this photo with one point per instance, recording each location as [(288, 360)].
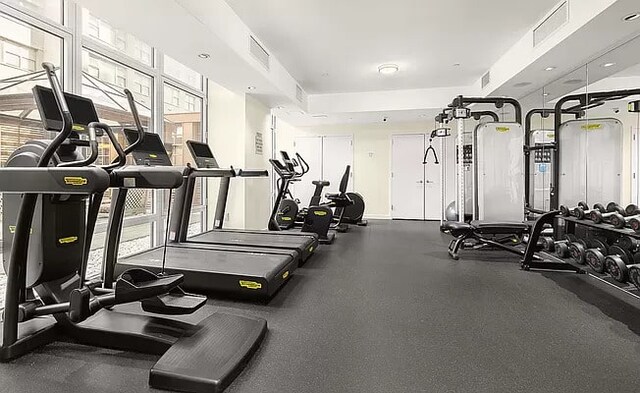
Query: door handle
[(429, 182), (419, 182)]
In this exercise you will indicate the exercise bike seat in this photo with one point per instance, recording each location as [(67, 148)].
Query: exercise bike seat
[(323, 183)]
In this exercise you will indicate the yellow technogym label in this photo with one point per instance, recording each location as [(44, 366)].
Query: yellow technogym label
[(75, 181), (250, 284), (12, 229), (77, 127), (285, 218), (591, 127), (68, 240), (503, 129), (320, 213), (153, 155), (311, 249), (551, 135), (285, 275)]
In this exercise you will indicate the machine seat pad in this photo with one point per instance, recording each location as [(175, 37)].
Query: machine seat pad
[(323, 183), (500, 228)]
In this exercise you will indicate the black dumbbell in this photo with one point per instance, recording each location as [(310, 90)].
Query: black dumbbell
[(561, 248), (617, 262), (634, 275), (577, 250), (612, 208), (582, 213), (621, 220), (595, 256), (566, 211), (547, 243)]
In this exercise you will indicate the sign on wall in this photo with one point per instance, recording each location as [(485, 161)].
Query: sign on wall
[(258, 143)]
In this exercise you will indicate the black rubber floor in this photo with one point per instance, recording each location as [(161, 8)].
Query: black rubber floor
[(384, 310)]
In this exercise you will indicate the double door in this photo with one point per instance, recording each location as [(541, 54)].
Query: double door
[(415, 187), (328, 157)]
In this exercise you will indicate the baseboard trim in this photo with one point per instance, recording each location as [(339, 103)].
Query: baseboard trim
[(377, 217)]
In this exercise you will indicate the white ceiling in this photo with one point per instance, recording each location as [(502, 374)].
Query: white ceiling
[(335, 46)]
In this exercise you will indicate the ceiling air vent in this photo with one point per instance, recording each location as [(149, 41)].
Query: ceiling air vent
[(299, 93), (551, 24), (486, 79), (259, 53)]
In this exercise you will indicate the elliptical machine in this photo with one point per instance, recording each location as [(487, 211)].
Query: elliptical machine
[(318, 219)]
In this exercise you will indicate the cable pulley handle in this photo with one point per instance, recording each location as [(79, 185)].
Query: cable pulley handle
[(122, 156), (426, 155)]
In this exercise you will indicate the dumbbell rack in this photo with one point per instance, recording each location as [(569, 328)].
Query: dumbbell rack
[(532, 260)]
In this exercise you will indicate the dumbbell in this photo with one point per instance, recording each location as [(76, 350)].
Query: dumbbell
[(634, 275), (595, 255), (612, 208), (577, 250), (566, 211), (547, 243), (561, 248), (617, 262), (620, 221), (582, 213)]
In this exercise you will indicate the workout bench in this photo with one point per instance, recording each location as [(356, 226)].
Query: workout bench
[(496, 234)]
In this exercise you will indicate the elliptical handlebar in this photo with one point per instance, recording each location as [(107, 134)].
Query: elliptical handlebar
[(136, 119), (303, 164), (67, 119), (122, 156), (93, 144)]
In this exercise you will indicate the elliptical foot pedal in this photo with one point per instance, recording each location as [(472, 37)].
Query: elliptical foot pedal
[(209, 359), (176, 302)]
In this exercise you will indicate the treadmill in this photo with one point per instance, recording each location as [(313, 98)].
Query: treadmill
[(302, 242), (234, 269)]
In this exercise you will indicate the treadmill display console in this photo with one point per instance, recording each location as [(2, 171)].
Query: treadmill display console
[(151, 152), (202, 154)]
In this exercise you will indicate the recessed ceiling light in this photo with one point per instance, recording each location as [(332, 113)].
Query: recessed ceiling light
[(545, 94), (522, 84), (251, 88), (422, 115), (319, 116), (550, 68), (204, 55), (607, 65), (280, 107), (631, 17), (388, 69), (573, 81)]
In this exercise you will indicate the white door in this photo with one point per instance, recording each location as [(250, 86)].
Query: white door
[(310, 148), (407, 177), (337, 153), (432, 191)]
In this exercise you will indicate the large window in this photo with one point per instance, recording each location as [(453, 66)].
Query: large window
[(183, 122), (116, 39), (22, 47), (170, 98)]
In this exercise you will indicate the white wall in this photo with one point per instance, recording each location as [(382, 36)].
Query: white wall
[(226, 137), (371, 156), (257, 190)]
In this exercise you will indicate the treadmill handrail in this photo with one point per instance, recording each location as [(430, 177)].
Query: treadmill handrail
[(53, 180), (253, 173), (147, 177), (212, 172)]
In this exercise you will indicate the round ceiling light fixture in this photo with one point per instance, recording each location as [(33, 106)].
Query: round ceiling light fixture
[(607, 65), (388, 69), (456, 64), (631, 17), (204, 55), (251, 88), (550, 68)]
